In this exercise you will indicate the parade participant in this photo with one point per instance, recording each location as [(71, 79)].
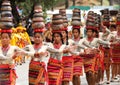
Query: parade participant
[(115, 50), (67, 59), (78, 62), (55, 70), (7, 52), (91, 42), (38, 65)]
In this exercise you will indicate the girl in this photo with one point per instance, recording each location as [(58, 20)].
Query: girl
[(8, 54)]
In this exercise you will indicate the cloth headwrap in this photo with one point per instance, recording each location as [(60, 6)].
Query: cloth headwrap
[(77, 27), (64, 29)]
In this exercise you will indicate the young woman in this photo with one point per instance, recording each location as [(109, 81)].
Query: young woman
[(106, 36), (67, 60), (39, 61), (115, 54), (78, 62), (8, 54), (55, 70), (89, 62)]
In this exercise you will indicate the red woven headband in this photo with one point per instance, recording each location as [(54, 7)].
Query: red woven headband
[(38, 30), (6, 31), (77, 27)]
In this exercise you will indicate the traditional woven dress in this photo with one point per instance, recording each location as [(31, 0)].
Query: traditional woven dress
[(7, 70), (78, 61), (89, 60), (55, 67), (68, 63), (38, 66), (116, 51), (107, 49)]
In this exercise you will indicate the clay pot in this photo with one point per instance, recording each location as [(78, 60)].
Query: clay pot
[(59, 21), (38, 25), (57, 27), (6, 3), (76, 10), (38, 19), (6, 15), (6, 25), (6, 19), (38, 14), (75, 23), (65, 25), (62, 11), (57, 16), (6, 8)]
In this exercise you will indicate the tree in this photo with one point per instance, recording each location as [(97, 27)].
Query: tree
[(110, 2), (66, 4), (101, 2), (73, 2)]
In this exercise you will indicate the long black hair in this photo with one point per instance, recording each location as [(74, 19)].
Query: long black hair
[(66, 37)]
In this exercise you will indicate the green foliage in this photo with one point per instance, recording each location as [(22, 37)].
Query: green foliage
[(46, 4)]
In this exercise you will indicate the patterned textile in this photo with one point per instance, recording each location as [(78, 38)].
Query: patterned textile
[(77, 66), (89, 64), (97, 62), (37, 73), (55, 71), (107, 56), (67, 68), (116, 53), (7, 75)]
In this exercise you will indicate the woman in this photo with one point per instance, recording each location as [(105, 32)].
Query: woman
[(55, 70), (89, 62), (116, 53), (67, 59), (78, 61), (106, 36), (8, 54)]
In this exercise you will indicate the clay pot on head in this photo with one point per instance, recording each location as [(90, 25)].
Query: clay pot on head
[(38, 25), (59, 21), (57, 27), (77, 23), (6, 3), (6, 19), (65, 25), (6, 8), (57, 16), (76, 10), (62, 11), (6, 25), (38, 19), (38, 14), (38, 8)]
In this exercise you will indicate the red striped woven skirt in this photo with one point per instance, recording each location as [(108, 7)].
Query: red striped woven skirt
[(116, 53), (37, 73), (7, 75), (89, 62), (77, 66), (67, 68), (55, 72), (107, 56)]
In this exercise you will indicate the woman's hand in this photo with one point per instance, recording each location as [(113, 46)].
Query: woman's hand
[(38, 55)]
